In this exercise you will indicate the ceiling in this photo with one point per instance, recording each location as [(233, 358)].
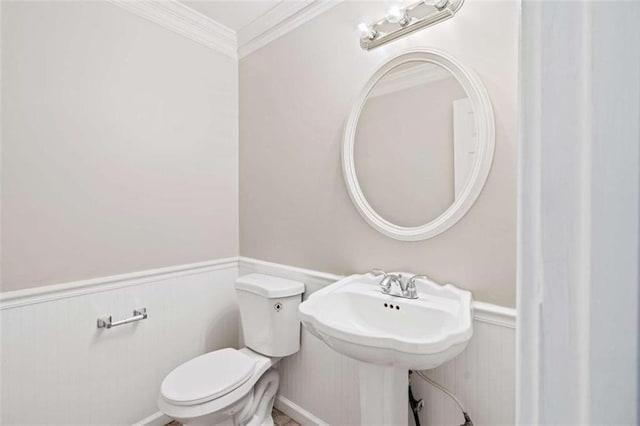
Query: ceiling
[(234, 15)]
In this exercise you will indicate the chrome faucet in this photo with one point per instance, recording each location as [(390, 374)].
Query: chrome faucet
[(407, 290)]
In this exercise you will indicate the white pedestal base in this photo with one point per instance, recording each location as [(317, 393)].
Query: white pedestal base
[(384, 395)]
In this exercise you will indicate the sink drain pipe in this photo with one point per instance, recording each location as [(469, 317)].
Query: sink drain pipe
[(416, 406)]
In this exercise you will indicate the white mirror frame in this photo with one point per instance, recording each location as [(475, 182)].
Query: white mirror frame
[(485, 129)]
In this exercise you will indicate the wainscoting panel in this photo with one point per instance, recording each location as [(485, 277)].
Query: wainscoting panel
[(58, 368), (482, 378), (325, 383)]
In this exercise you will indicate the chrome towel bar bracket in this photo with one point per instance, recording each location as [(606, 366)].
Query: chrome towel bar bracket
[(138, 315)]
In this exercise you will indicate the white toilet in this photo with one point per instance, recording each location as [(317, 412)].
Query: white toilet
[(238, 387)]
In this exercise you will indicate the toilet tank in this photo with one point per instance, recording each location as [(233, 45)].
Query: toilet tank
[(269, 313)]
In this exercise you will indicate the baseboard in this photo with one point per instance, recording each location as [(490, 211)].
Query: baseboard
[(283, 404), (156, 419), (297, 413)]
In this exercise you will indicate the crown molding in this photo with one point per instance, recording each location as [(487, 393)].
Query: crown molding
[(175, 16), (276, 22)]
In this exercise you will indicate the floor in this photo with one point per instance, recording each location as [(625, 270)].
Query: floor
[(279, 419)]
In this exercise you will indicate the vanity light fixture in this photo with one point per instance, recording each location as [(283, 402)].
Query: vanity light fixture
[(400, 21)]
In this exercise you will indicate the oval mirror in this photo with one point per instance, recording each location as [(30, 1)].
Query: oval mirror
[(418, 145)]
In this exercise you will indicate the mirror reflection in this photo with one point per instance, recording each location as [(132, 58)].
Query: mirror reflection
[(415, 143)]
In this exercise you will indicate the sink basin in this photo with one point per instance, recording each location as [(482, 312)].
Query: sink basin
[(356, 319), (389, 335)]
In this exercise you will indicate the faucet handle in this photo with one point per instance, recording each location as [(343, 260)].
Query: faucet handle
[(413, 279), (386, 280), (412, 291)]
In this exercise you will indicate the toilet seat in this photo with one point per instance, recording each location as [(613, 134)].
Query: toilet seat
[(230, 401), (207, 377)]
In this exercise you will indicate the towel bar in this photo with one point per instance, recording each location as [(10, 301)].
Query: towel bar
[(138, 315)]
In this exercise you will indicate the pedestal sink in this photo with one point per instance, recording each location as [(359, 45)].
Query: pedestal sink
[(389, 335)]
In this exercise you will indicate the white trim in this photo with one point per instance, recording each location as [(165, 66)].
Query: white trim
[(578, 211), (276, 22), (411, 77), (183, 20), (14, 299), (494, 314), (485, 129), (307, 276), (484, 312), (297, 413), (156, 419)]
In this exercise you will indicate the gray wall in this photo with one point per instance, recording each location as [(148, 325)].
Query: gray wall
[(119, 145), (120, 148), (295, 94)]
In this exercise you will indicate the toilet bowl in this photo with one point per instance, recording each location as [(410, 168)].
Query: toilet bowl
[(238, 386)]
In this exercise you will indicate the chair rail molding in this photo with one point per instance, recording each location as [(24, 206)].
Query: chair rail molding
[(314, 280), (276, 22), (30, 296)]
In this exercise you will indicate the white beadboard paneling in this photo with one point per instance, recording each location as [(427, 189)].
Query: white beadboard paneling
[(322, 381), (325, 383), (58, 368), (482, 377), (88, 376)]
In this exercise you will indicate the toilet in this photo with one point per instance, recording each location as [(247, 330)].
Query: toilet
[(238, 386)]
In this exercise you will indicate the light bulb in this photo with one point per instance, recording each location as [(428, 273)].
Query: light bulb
[(367, 30), (396, 14)]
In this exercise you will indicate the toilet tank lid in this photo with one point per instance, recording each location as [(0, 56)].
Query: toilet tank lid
[(269, 286)]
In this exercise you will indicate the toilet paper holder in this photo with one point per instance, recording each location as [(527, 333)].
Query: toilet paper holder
[(138, 315)]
